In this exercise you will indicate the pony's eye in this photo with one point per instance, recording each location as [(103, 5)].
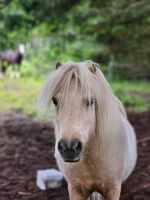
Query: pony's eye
[(90, 102), (55, 102)]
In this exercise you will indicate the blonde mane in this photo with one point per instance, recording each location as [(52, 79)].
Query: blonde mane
[(92, 85)]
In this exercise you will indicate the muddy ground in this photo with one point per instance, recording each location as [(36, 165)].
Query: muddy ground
[(27, 145)]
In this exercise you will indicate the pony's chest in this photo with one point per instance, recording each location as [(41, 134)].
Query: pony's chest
[(84, 176), (89, 183)]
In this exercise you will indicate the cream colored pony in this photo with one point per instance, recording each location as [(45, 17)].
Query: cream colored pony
[(95, 143)]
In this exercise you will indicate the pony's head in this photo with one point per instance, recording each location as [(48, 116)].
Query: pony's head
[(79, 93), (21, 48)]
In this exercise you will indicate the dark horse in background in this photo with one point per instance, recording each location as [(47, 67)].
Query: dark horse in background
[(12, 58)]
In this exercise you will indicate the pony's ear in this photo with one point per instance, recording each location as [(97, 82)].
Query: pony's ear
[(58, 64), (93, 67)]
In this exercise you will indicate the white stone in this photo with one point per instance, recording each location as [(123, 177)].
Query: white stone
[(49, 178)]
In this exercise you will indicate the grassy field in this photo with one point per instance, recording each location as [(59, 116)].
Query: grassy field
[(23, 93), (135, 95), (20, 94)]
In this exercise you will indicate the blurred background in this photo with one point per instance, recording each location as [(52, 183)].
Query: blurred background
[(34, 34), (114, 33)]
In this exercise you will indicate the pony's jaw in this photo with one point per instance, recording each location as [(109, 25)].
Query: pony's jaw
[(72, 161)]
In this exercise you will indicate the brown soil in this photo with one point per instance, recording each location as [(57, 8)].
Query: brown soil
[(27, 145)]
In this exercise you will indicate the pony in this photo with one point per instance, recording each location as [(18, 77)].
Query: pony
[(95, 144), (12, 57)]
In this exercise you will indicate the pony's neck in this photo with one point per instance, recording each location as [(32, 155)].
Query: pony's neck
[(106, 134), (104, 144), (112, 121)]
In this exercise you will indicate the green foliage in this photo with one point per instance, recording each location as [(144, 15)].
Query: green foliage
[(132, 94), (28, 70), (114, 33), (41, 58), (82, 30), (130, 101)]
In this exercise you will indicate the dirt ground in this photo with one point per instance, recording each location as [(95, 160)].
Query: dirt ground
[(27, 145)]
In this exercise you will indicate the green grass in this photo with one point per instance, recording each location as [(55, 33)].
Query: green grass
[(20, 94), (135, 95), (23, 93)]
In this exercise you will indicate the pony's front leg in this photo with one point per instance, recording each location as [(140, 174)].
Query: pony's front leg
[(114, 192), (77, 194)]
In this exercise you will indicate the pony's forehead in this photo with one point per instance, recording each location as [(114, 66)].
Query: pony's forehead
[(72, 64), (74, 77), (74, 88), (75, 69), (86, 64)]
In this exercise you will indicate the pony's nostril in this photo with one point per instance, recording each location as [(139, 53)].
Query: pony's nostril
[(77, 146), (61, 146)]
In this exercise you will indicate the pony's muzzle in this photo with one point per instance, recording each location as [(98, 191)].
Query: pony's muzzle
[(70, 151)]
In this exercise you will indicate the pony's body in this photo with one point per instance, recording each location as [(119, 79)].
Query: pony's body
[(11, 58), (108, 155)]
